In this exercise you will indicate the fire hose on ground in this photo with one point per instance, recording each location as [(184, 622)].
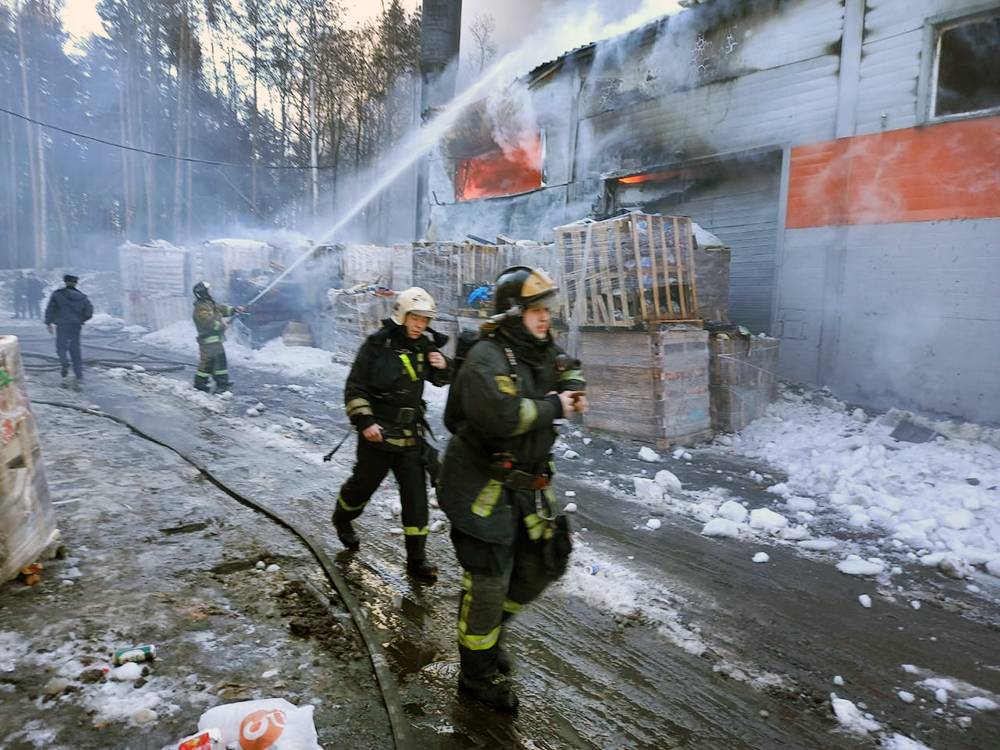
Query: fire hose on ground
[(390, 694)]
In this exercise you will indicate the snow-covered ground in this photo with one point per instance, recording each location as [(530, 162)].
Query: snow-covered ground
[(936, 503)]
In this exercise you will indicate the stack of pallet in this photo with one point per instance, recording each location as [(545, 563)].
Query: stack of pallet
[(154, 284), (628, 271), (26, 518)]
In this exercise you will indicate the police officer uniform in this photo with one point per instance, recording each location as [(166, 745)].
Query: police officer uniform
[(385, 388), (68, 309), (495, 483)]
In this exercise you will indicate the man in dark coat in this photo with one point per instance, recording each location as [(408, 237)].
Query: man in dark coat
[(384, 400), (496, 475), (209, 320), (20, 296), (68, 310), (35, 290)]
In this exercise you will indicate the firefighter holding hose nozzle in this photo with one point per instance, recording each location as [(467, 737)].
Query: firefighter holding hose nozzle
[(209, 320)]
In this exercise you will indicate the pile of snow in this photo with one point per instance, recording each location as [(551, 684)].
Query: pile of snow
[(937, 502)]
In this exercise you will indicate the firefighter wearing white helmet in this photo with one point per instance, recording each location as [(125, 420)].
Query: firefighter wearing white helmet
[(414, 300), (384, 400), (496, 477)]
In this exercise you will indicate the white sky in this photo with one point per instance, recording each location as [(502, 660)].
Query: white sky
[(81, 19)]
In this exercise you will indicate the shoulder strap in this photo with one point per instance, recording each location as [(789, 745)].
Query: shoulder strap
[(511, 363)]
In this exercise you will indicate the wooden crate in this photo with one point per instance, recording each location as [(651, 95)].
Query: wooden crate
[(648, 384), (629, 270), (743, 379), (451, 271)]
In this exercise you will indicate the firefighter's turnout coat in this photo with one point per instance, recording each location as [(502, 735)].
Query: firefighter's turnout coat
[(503, 422), (386, 385), (208, 319)]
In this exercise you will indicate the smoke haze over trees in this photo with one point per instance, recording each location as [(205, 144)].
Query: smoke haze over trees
[(214, 113)]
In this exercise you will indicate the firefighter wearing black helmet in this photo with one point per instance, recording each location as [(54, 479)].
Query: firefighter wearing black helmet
[(496, 474), (209, 320), (384, 401)]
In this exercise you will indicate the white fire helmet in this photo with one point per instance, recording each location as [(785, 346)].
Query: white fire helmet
[(414, 300)]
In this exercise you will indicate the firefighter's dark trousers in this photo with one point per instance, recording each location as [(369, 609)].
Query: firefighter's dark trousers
[(20, 306), (370, 469), (68, 346), (497, 582), (212, 363)]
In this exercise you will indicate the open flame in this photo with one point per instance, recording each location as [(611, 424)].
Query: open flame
[(500, 171), (636, 179)]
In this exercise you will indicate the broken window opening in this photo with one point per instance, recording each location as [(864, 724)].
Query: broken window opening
[(967, 68), (500, 171)]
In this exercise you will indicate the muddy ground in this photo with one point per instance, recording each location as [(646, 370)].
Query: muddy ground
[(718, 653)]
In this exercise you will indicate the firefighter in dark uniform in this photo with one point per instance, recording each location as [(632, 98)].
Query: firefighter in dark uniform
[(384, 400), (209, 321), (495, 483)]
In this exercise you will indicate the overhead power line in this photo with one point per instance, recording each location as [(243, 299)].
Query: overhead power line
[(157, 153)]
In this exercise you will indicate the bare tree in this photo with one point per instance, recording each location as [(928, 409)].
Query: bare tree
[(485, 49)]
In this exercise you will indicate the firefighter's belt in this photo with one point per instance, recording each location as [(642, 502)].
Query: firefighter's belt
[(406, 415), (503, 469), (522, 480)]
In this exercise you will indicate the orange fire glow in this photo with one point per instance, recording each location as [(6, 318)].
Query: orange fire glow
[(500, 173), (635, 179)]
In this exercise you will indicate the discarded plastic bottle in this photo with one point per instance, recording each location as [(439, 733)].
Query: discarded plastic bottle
[(136, 653)]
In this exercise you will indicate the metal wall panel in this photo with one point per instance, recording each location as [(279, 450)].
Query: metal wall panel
[(919, 318), (891, 60)]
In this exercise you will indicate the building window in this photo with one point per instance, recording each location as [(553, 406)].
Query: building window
[(966, 73), (501, 171)]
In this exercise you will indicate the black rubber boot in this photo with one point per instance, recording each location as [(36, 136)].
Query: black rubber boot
[(345, 529), (416, 559), (65, 369), (505, 663), (201, 383), (495, 691)]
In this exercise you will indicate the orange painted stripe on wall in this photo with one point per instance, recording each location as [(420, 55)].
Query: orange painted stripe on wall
[(937, 172)]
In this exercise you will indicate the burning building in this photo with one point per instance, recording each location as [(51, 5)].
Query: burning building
[(848, 153)]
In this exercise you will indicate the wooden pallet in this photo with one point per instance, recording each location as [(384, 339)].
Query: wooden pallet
[(632, 269)]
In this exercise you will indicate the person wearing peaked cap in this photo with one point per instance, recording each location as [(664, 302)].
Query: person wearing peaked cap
[(384, 401), (68, 310)]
